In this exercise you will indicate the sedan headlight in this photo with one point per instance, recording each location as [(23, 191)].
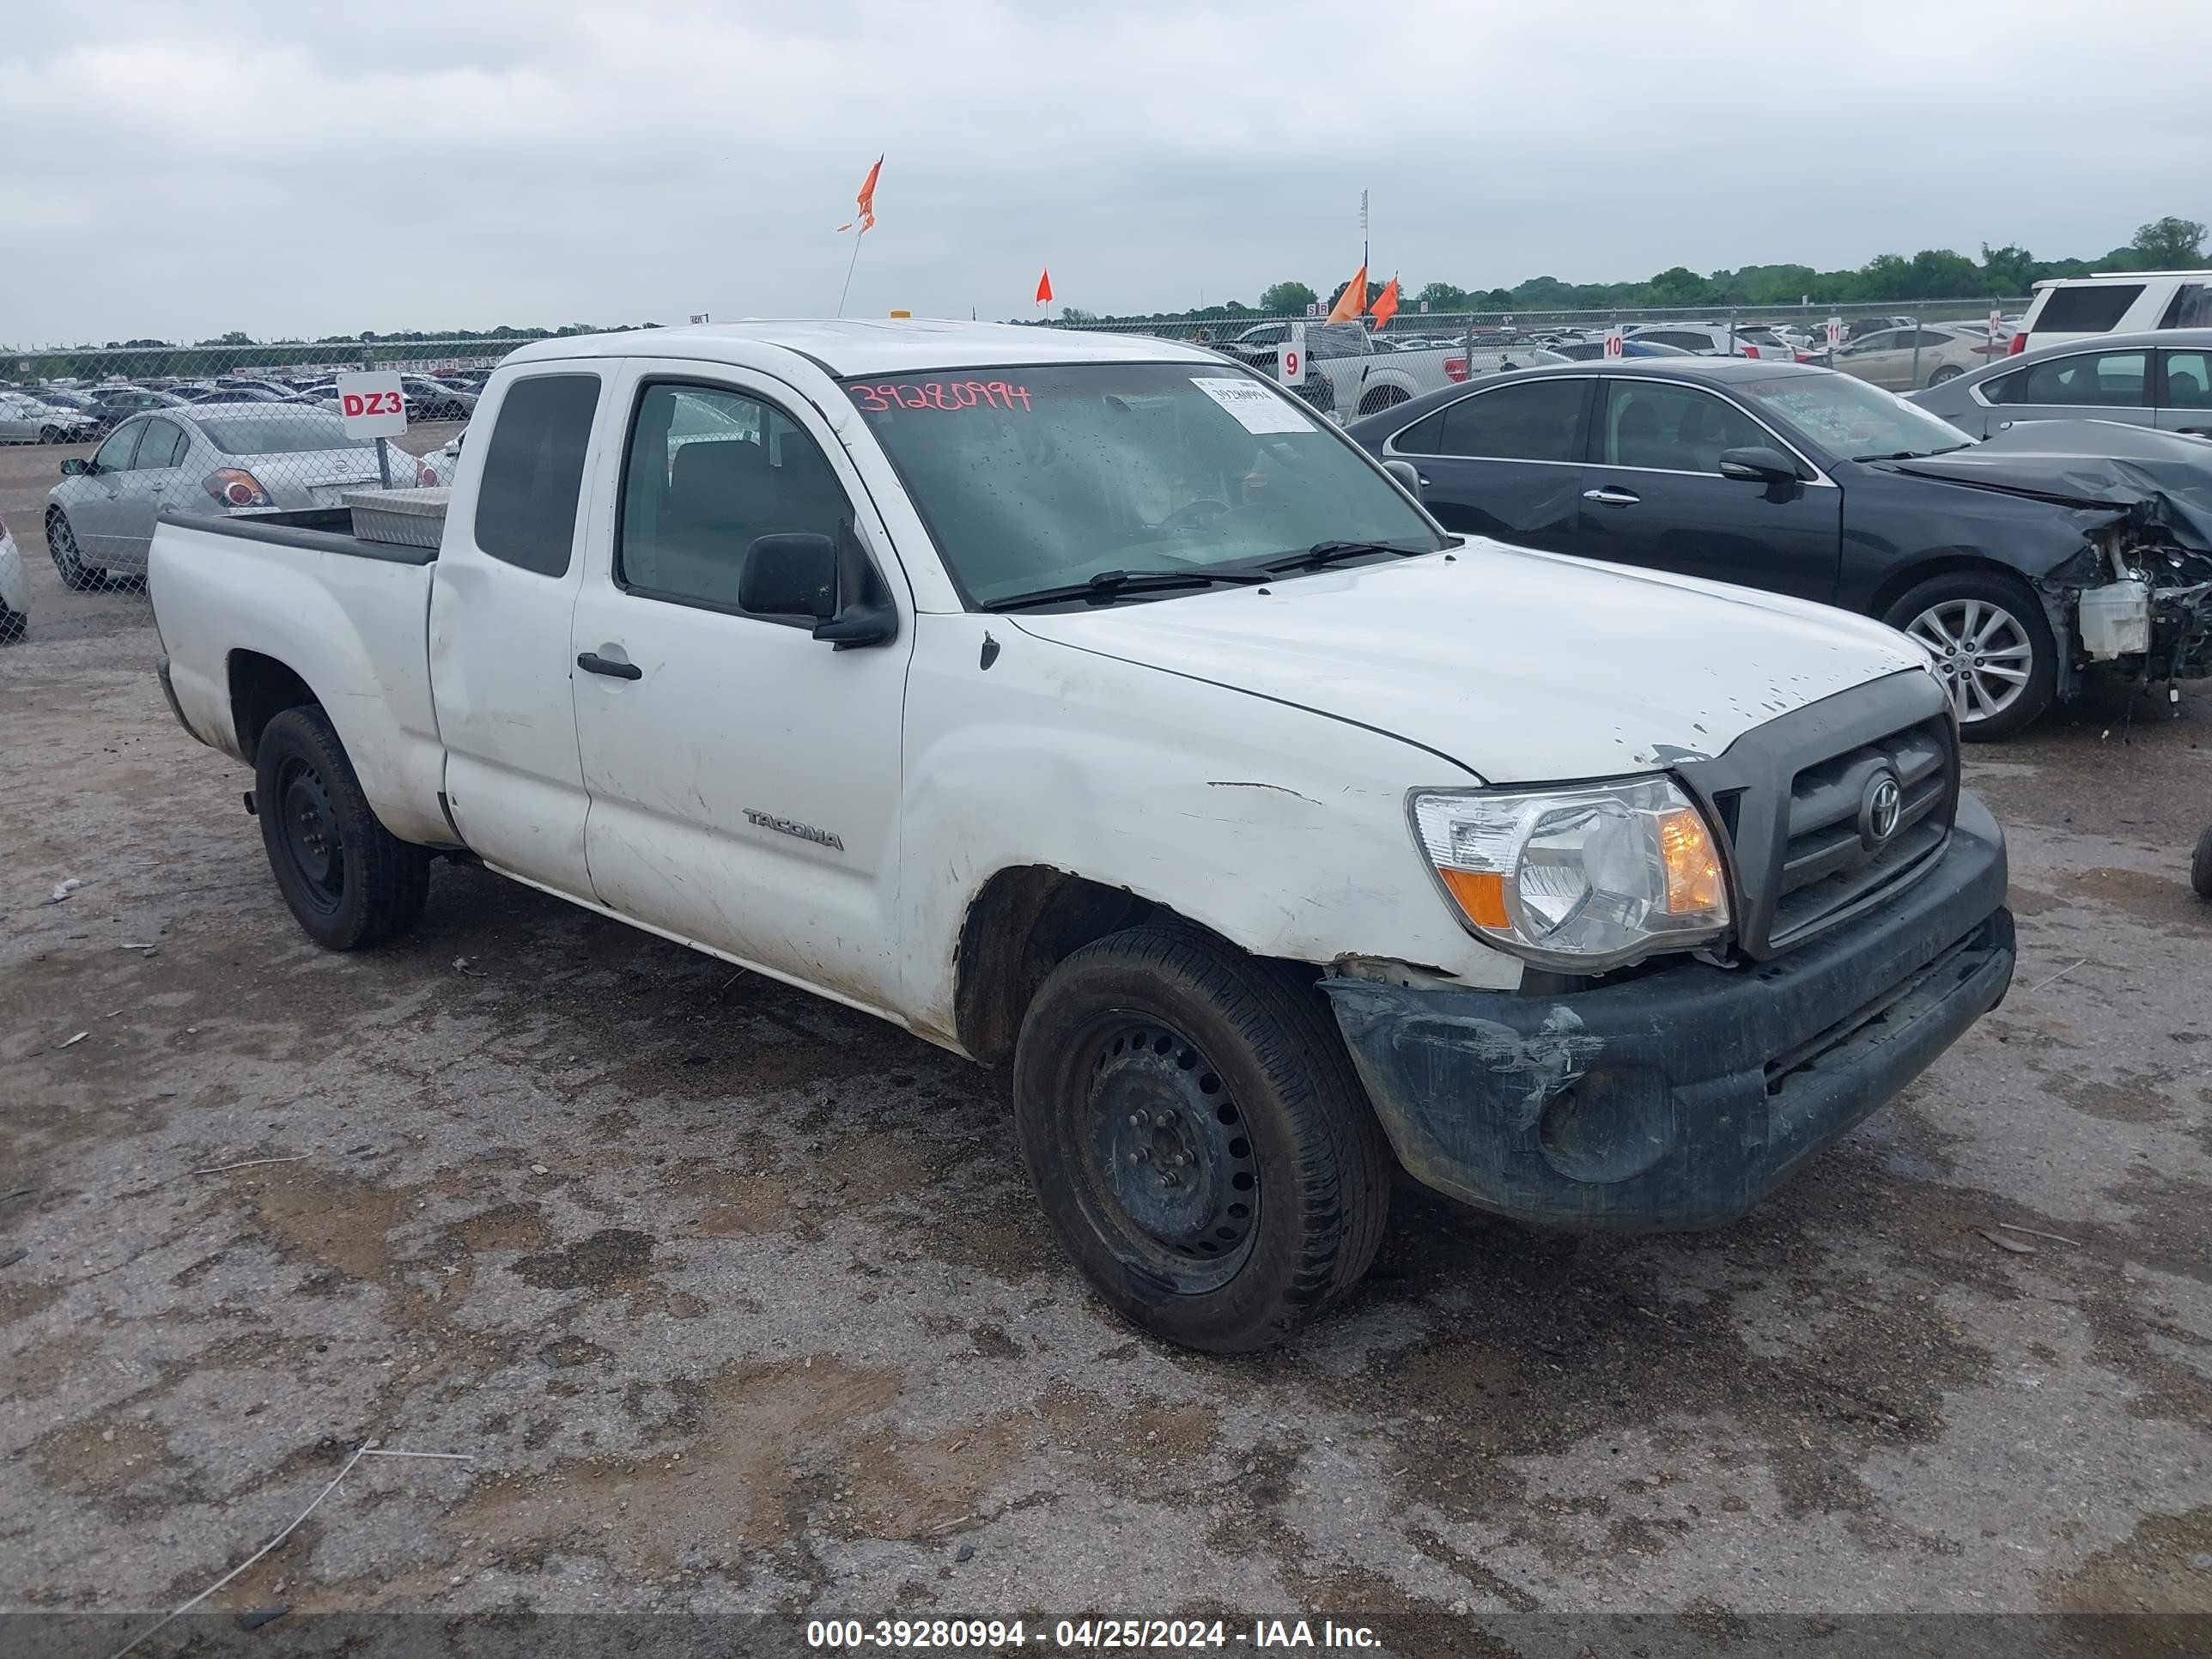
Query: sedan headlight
[(1583, 879)]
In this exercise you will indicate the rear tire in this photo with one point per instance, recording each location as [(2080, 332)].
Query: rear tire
[(2200, 867), (50, 434), (76, 575), (1946, 373), (13, 625), (349, 881), (1388, 397), (1198, 1139), (1946, 613)]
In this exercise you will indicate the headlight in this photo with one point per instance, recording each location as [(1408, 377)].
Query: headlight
[(1583, 879)]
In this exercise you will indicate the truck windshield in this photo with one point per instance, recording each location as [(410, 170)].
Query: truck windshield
[(1042, 478)]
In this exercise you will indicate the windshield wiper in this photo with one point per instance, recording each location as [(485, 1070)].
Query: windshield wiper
[(1110, 585), (1323, 554), (1912, 454)]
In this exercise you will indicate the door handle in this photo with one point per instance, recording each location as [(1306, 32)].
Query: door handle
[(1612, 496), (592, 663), (1424, 479)]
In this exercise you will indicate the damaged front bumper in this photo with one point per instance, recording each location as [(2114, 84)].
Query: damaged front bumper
[(1680, 1099)]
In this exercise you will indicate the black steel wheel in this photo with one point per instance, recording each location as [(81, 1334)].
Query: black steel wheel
[(1170, 1174), (76, 575), (349, 882), (1198, 1139)]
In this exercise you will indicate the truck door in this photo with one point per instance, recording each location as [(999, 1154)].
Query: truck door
[(501, 602), (743, 776)]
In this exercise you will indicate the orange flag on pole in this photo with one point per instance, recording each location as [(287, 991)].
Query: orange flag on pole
[(1352, 300), (1386, 304), (1044, 288), (866, 198)]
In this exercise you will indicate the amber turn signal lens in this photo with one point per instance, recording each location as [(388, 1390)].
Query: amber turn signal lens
[(1481, 893), (1691, 863)]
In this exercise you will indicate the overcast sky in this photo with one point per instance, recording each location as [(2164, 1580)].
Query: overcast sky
[(179, 167)]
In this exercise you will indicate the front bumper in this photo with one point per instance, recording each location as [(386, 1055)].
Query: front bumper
[(1680, 1099)]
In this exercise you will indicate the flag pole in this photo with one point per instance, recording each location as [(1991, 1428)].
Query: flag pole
[(849, 264)]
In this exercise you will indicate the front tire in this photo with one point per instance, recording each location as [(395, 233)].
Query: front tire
[(1992, 646), (1196, 1134), (52, 434), (2200, 867), (349, 882), (76, 575), (13, 625)]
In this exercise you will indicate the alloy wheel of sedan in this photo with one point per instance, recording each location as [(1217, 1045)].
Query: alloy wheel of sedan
[(1983, 654)]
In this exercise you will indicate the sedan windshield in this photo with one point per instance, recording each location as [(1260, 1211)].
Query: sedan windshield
[(1038, 478), (1848, 417), (286, 432)]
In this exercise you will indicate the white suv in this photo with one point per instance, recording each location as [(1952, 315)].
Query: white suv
[(2114, 302)]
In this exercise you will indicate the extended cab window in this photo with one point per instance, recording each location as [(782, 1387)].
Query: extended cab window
[(1673, 428), (1533, 421), (709, 472), (533, 472)]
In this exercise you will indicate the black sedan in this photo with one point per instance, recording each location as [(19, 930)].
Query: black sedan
[(1805, 482)]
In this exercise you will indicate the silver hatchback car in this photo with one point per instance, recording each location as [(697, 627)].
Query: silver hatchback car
[(235, 460)]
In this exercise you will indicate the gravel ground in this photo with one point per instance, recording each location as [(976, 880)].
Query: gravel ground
[(737, 1301)]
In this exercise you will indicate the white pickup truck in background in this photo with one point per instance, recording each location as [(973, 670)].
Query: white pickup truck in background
[(1086, 705)]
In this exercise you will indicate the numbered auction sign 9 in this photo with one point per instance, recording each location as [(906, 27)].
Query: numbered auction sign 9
[(372, 404)]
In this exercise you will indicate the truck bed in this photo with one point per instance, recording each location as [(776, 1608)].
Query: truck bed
[(239, 598)]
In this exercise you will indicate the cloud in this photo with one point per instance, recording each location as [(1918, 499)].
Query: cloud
[(285, 168)]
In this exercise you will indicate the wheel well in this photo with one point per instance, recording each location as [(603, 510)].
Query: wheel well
[(1026, 919), (262, 688), (1382, 398), (1894, 587)]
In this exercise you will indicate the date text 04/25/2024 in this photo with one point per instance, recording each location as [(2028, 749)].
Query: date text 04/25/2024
[(1089, 1635)]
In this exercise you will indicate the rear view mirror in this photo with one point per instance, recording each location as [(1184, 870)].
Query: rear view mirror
[(1758, 465), (790, 575), (76, 467)]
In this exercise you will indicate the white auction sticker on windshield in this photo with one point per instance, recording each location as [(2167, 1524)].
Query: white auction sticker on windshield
[(1257, 409)]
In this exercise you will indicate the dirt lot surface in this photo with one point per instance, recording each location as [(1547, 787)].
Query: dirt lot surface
[(737, 1301)]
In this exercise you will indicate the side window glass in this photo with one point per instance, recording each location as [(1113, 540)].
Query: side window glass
[(709, 472), (1423, 437), (533, 472), (2100, 379), (114, 455), (1533, 421), (162, 445), (2004, 388), (2188, 379), (1673, 428), (2191, 306)]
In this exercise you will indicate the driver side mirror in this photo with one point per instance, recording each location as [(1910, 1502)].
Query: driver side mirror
[(77, 466), (1758, 465), (831, 581)]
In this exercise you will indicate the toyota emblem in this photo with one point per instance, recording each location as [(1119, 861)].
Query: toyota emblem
[(1878, 810)]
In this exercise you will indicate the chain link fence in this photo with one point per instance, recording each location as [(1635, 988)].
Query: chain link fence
[(1356, 369), (95, 444)]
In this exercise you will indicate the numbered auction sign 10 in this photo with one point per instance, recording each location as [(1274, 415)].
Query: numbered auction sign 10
[(372, 404)]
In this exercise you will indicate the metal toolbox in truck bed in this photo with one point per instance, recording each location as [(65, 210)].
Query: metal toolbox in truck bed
[(408, 517)]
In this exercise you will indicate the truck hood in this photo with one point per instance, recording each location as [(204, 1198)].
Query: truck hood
[(1519, 666), (2142, 475)]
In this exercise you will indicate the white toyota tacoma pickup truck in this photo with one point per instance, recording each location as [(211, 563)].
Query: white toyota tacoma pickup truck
[(1085, 705)]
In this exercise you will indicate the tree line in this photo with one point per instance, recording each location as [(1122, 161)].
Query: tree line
[(2007, 272)]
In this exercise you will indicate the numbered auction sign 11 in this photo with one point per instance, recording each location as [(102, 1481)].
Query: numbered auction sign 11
[(372, 404)]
